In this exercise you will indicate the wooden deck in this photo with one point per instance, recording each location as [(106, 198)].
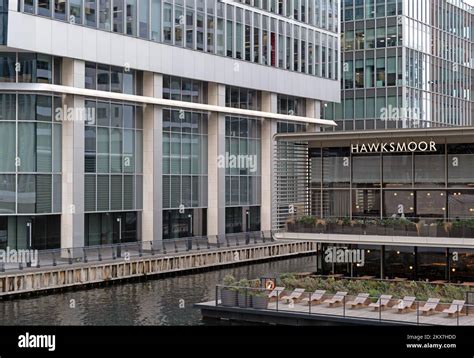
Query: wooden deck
[(300, 314)]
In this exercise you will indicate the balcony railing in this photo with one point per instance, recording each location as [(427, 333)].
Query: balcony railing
[(413, 227)]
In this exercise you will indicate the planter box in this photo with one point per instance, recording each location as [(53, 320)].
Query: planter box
[(381, 231), (320, 229), (228, 298), (389, 231), (456, 232), (259, 303), (244, 300), (371, 230)]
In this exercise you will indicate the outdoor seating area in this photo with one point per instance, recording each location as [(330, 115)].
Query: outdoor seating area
[(408, 309)]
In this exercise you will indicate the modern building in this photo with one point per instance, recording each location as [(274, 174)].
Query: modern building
[(406, 64), (394, 179), (127, 120)]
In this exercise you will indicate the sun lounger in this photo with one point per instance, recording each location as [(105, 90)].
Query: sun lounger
[(456, 308), (315, 297), (294, 296), (336, 300), (359, 301), (277, 291), (430, 306), (405, 304), (382, 302)]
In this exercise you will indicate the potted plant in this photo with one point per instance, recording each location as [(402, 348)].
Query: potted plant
[(320, 226), (229, 292), (259, 299), (243, 295)]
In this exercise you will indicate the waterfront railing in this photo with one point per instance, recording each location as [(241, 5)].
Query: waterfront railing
[(371, 309), (127, 250)]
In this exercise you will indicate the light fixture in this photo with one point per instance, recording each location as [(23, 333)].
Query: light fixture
[(395, 194), (412, 194), (411, 267), (398, 252), (428, 194), (454, 270), (368, 251)]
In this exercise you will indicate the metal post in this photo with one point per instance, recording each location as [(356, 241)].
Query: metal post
[(418, 313), (2, 266), (278, 298), (69, 256), (344, 306), (309, 303), (54, 259), (119, 249), (152, 250), (30, 242), (217, 295), (84, 254), (99, 255)]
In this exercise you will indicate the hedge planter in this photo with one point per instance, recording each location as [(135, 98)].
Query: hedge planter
[(244, 300), (371, 229), (228, 297), (259, 303)]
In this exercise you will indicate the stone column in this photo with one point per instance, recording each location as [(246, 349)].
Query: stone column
[(152, 218), (216, 175), (72, 218), (269, 129), (313, 110)]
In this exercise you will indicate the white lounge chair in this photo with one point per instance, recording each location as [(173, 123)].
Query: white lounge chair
[(359, 301), (455, 308), (430, 306), (315, 297), (382, 302), (336, 300), (294, 296), (405, 304), (277, 291)]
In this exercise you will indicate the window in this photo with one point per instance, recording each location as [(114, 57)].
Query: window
[(118, 16), (156, 20), (91, 12), (75, 11), (60, 9), (131, 17), (143, 19), (104, 14), (44, 8)]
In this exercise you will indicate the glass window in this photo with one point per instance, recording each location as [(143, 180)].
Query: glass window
[(60, 9), (104, 14), (366, 171), (156, 20), (75, 11), (44, 8), (90, 10), (143, 19), (7, 67), (8, 190), (118, 16), (131, 17)]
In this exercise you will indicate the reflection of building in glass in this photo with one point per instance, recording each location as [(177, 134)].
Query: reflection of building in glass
[(406, 64)]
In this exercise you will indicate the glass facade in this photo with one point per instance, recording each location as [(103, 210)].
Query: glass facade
[(112, 79), (3, 21), (30, 169), (242, 163), (113, 164), (405, 64), (298, 38), (429, 186), (25, 67)]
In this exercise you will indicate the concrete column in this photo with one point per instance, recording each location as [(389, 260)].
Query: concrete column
[(269, 129), (152, 218), (216, 175), (313, 110), (72, 218)]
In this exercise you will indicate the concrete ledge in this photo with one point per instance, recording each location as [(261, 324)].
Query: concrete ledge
[(380, 240)]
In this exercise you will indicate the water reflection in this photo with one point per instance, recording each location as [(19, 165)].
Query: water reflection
[(154, 302)]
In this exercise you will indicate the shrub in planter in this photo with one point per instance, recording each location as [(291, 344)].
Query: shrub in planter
[(456, 229), (243, 296), (259, 299), (229, 293)]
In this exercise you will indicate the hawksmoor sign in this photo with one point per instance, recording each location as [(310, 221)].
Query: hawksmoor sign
[(394, 147)]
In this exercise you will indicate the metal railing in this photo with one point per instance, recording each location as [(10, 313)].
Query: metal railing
[(127, 251), (347, 307)]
